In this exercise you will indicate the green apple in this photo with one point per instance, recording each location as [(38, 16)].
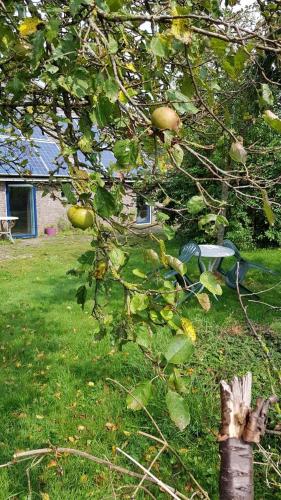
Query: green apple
[(80, 217), (165, 118)]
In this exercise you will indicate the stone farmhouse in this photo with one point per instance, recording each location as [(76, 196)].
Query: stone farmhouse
[(24, 196)]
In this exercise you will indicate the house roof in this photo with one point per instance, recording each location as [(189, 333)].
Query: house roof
[(40, 156)]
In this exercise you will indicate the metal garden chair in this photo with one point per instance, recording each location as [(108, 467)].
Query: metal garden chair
[(189, 250), (240, 269)]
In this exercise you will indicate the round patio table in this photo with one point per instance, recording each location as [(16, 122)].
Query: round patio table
[(214, 253), (6, 225)]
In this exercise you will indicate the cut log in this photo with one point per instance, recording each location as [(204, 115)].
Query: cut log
[(240, 428)]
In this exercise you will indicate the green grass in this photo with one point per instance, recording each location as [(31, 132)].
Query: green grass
[(49, 356)]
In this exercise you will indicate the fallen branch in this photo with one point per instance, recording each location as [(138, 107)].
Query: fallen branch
[(21, 456)]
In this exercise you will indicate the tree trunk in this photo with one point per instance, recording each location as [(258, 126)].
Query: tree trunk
[(240, 428)]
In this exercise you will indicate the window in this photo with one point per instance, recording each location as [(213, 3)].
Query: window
[(143, 212)]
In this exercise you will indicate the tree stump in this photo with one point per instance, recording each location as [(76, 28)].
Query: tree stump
[(240, 428)]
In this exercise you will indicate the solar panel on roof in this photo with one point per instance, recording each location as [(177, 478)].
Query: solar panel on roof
[(40, 157)]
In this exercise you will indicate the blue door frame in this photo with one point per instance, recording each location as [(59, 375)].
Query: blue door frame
[(34, 232)]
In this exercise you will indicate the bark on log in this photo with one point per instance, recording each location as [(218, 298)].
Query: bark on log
[(236, 475), (240, 428)]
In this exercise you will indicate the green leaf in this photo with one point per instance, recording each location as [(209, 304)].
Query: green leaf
[(267, 208), (143, 335), (38, 46), (177, 264), (75, 5), (77, 83), (177, 154), (126, 153), (167, 313), (272, 120), (170, 296), (139, 273), (139, 396), (85, 144), (179, 350), (139, 302), (17, 85), (162, 217), (211, 222), (219, 46), (178, 409), (115, 5), (265, 96), (103, 112), (87, 257), (209, 281), (104, 202), (81, 295), (168, 231), (187, 87), (234, 63), (68, 193), (195, 204), (117, 257), (112, 45), (111, 88), (181, 103), (176, 382), (159, 46)]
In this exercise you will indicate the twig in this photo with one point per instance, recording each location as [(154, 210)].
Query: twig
[(149, 468), (160, 483), (169, 447)]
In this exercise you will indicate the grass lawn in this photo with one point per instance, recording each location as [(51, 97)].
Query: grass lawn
[(54, 388)]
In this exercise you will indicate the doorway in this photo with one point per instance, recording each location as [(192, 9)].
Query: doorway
[(21, 203)]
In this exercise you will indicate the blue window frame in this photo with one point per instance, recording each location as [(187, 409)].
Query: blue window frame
[(21, 203), (144, 212)]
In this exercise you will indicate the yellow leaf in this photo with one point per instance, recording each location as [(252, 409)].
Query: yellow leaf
[(204, 301), (29, 26), (121, 97), (183, 451), (267, 208), (111, 427), (131, 67), (84, 478), (188, 329), (45, 496), (52, 463), (180, 28), (91, 384), (81, 428), (71, 439), (39, 417), (100, 270)]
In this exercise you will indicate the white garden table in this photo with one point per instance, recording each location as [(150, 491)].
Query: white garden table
[(214, 253), (6, 225)]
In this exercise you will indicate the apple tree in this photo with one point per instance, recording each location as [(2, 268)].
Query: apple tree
[(156, 84)]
